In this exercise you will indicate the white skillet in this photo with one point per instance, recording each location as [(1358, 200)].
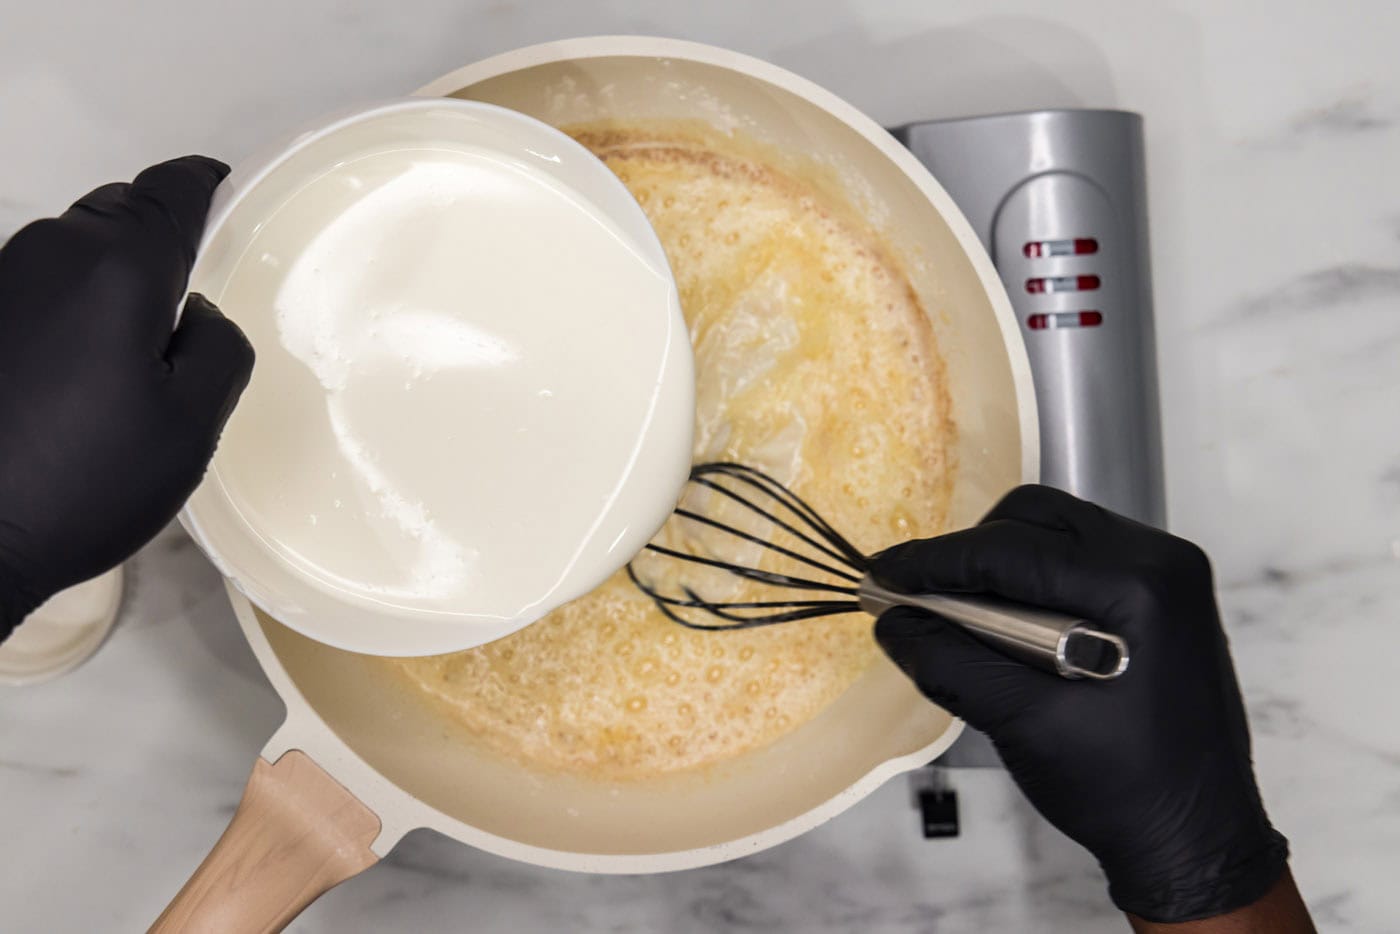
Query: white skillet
[(358, 763)]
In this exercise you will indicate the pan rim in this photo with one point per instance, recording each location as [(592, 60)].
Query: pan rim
[(399, 810)]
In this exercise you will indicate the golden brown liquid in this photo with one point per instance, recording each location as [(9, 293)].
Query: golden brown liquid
[(815, 363)]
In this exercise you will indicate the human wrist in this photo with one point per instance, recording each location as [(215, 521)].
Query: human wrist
[(1217, 884), (1280, 910)]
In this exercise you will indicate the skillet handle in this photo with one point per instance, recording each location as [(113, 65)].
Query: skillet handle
[(296, 834)]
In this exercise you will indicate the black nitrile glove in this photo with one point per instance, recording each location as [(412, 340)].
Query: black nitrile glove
[(107, 418), (1150, 772)]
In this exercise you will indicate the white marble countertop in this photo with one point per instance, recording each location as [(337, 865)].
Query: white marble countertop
[(1274, 161)]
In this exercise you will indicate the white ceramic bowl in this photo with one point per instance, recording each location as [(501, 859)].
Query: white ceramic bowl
[(258, 188)]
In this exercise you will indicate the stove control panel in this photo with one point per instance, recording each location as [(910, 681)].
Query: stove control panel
[(1059, 200)]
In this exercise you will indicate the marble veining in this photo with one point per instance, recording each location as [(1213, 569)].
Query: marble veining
[(1273, 138), (1319, 289), (1348, 115)]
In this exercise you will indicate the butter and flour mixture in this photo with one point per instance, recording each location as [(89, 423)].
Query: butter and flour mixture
[(814, 363)]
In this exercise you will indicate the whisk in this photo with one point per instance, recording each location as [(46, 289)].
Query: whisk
[(736, 524)]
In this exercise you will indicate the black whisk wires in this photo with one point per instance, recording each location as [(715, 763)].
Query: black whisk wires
[(817, 547), (814, 571)]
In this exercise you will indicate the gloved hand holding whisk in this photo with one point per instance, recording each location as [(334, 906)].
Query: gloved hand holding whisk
[(1151, 772), (1144, 760)]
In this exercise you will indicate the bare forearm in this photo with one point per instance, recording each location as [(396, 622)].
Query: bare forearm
[(1280, 911)]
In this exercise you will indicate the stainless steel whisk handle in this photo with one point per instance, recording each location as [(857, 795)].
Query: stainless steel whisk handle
[(1055, 642)]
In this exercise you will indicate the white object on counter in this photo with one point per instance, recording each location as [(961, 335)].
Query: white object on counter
[(62, 633)]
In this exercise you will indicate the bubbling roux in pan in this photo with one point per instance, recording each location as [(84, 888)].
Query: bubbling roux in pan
[(815, 363)]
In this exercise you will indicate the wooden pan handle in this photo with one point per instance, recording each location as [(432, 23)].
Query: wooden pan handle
[(297, 833)]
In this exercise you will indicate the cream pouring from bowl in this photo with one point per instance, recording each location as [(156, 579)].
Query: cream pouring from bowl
[(473, 399)]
